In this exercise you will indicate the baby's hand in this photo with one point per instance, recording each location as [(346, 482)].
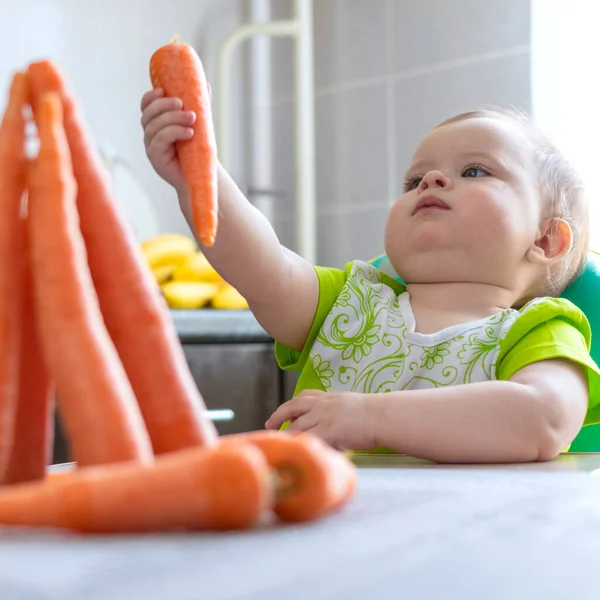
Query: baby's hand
[(165, 122), (343, 420)]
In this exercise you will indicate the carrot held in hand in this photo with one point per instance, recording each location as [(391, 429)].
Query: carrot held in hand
[(311, 478), (178, 71), (34, 427), (134, 311), (98, 407), (12, 185), (196, 489)]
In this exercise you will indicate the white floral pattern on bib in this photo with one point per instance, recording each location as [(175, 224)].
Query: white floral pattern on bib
[(367, 342)]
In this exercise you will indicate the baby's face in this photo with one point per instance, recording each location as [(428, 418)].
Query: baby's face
[(470, 208)]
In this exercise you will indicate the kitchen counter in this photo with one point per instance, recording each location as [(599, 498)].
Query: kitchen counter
[(212, 326), (413, 530)]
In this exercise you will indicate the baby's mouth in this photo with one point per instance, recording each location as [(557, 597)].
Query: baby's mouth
[(430, 203)]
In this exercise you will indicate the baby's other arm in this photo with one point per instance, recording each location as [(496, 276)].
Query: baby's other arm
[(531, 417)]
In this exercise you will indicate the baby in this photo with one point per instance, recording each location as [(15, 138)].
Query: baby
[(474, 358)]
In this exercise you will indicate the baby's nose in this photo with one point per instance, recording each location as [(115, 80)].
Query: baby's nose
[(434, 179)]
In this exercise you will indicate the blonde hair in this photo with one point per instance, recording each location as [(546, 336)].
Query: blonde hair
[(561, 190)]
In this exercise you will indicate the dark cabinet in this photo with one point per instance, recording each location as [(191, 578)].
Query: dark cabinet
[(242, 378)]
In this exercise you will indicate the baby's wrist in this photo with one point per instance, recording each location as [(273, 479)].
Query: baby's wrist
[(182, 196), (185, 206), (374, 416)]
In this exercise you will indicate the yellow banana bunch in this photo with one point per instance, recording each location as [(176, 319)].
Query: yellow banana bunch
[(165, 252), (168, 249), (229, 298), (196, 268), (163, 274), (186, 278), (188, 295), (192, 295)]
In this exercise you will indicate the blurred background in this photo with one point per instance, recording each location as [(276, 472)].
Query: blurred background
[(317, 130), (385, 71)]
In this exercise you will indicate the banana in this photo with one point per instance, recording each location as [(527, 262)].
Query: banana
[(167, 249), (163, 274), (229, 298), (188, 294), (196, 268)]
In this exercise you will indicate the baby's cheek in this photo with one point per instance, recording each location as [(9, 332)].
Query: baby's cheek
[(488, 206), (396, 220)]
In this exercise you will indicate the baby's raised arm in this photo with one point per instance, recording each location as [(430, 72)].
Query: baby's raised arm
[(281, 287)]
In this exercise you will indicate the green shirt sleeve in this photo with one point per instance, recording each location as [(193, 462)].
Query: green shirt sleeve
[(331, 282), (552, 328)]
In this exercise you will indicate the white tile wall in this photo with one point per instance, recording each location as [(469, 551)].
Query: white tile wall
[(351, 144), (432, 31), (357, 233), (387, 71), (341, 29)]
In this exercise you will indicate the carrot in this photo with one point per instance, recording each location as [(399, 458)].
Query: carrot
[(34, 427), (217, 488), (98, 407), (134, 311), (312, 479), (177, 69), (12, 185)]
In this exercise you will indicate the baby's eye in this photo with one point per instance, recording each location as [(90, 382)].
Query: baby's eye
[(412, 183), (475, 172)]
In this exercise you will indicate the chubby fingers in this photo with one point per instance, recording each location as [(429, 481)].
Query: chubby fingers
[(290, 411), (177, 118), (150, 96)]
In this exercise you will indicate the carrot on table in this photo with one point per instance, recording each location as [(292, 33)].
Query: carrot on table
[(176, 69), (216, 488), (134, 311), (12, 186), (102, 419), (34, 427), (312, 479)]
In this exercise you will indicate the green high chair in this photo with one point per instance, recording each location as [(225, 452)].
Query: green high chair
[(584, 292)]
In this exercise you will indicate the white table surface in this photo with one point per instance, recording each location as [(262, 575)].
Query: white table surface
[(414, 530)]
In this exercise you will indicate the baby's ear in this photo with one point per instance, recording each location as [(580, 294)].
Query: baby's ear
[(555, 242)]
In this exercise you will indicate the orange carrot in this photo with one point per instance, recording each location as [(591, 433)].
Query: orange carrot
[(134, 311), (12, 185), (34, 428), (102, 419), (312, 479), (177, 69), (215, 488)]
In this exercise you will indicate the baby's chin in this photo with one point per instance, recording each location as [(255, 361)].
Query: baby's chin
[(437, 266), (404, 236)]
